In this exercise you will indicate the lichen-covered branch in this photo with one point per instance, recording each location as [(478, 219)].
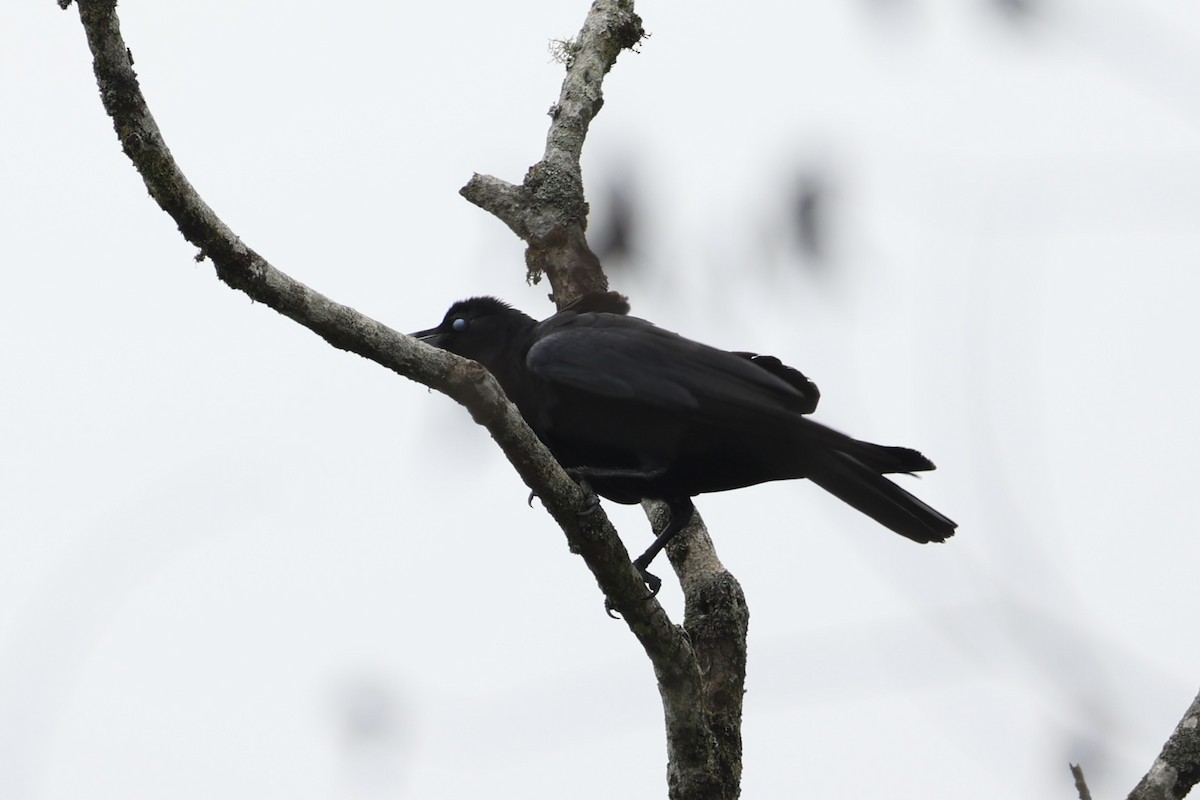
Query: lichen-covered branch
[(1177, 768), (716, 619), (702, 695), (548, 210)]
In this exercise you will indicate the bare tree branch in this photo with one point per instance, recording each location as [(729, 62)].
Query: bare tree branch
[(716, 619), (702, 699), (1080, 782), (700, 673), (1177, 768), (548, 210)]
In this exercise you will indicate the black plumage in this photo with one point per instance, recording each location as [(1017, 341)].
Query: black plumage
[(641, 412)]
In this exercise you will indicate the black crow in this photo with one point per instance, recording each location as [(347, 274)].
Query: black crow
[(640, 412)]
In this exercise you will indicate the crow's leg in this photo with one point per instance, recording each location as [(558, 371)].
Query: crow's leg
[(681, 511), (681, 514)]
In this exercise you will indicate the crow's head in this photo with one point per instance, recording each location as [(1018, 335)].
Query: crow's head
[(483, 329)]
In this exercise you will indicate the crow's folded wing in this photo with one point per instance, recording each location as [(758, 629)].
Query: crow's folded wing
[(628, 359)]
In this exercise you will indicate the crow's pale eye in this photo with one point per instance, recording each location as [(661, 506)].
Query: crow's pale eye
[(459, 325)]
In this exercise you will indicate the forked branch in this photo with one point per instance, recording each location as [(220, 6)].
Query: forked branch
[(549, 212)]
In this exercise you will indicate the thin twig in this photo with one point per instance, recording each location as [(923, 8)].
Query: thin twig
[(1080, 782)]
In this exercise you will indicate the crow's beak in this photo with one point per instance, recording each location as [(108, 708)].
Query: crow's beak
[(432, 336)]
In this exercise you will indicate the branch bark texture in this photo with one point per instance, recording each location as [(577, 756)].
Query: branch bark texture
[(1177, 768), (702, 695), (548, 210), (704, 738)]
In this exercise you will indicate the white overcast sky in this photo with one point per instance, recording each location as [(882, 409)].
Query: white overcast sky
[(237, 563)]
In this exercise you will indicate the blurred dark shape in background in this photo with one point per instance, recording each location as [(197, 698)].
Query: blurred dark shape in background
[(375, 737), (1017, 12), (891, 12), (614, 232), (808, 218), (368, 712)]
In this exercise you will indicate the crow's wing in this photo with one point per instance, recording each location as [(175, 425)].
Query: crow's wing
[(790, 375), (628, 359)]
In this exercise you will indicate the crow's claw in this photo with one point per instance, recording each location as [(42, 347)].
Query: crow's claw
[(591, 499), (653, 583), (609, 608)]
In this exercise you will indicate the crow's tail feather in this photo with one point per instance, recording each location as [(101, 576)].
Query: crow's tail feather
[(882, 458), (810, 436), (857, 480)]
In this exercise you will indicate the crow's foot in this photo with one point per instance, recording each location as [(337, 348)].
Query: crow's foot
[(653, 583), (590, 499)]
